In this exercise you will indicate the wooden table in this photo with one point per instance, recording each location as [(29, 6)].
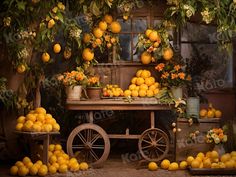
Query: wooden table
[(141, 104), (44, 136)]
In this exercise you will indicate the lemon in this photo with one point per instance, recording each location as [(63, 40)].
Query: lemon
[(229, 164), (222, 165), (149, 81), (63, 168), (134, 93), (127, 93), (108, 18), (23, 171), (21, 119), (195, 163), (154, 36), (214, 165), (52, 169), (97, 32), (152, 166), (199, 159), (168, 53), (145, 74), (140, 81), (33, 170), (84, 166), (19, 126), (207, 163), (132, 87), (156, 91), (102, 25), (183, 165), (13, 170), (19, 164), (173, 166), (218, 114), (152, 87), (39, 162), (208, 154), (58, 147), (225, 157), (150, 93), (133, 80), (88, 54), (56, 127), (214, 155), (29, 165), (21, 68), (51, 23), (148, 32), (86, 38), (146, 58), (190, 159), (210, 114), (115, 27), (165, 164), (45, 57), (56, 165), (142, 93), (26, 160), (138, 73), (233, 153), (51, 147), (41, 109), (203, 113), (53, 159), (66, 156), (74, 166), (43, 170), (156, 44), (31, 117), (57, 48), (143, 87)]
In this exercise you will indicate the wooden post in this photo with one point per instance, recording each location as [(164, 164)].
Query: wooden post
[(45, 149), (152, 119)]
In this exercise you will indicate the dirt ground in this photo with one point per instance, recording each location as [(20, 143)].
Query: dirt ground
[(115, 167)]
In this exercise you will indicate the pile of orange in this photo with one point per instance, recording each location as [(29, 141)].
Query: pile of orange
[(142, 85), (210, 112), (37, 120), (112, 91)]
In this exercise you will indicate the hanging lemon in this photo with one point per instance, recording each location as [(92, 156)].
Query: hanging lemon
[(57, 48)]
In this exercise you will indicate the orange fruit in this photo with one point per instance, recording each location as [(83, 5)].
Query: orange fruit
[(86, 38), (148, 32), (45, 57), (51, 23), (203, 113), (183, 165), (190, 159), (195, 164), (218, 114), (102, 25), (134, 93), (210, 114), (88, 54), (154, 36), (168, 53), (21, 68), (139, 72), (173, 166), (142, 93), (84, 166), (97, 32), (165, 164), (57, 48), (152, 166), (146, 58), (140, 81), (108, 18), (23, 171), (150, 93), (13, 170), (115, 27)]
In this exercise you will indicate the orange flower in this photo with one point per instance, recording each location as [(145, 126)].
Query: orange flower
[(160, 67), (221, 135), (177, 67), (165, 75), (174, 76), (181, 75), (189, 78)]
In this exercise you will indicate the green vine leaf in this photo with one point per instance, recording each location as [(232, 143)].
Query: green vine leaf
[(94, 8), (21, 5)]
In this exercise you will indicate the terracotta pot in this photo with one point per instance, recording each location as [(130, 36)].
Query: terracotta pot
[(94, 93), (74, 92)]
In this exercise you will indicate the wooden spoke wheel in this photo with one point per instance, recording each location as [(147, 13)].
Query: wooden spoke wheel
[(89, 142), (153, 144)]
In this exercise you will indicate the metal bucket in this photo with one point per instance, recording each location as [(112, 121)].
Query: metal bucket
[(177, 92), (193, 107), (74, 92)]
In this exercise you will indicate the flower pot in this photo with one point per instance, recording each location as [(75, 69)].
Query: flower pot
[(177, 92), (74, 92), (193, 106), (94, 93)]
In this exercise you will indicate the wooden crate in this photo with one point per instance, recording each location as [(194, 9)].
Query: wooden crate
[(185, 146)]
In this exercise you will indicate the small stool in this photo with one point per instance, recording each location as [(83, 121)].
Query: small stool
[(33, 136)]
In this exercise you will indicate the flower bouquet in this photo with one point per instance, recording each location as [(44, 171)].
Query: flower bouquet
[(73, 81), (94, 87), (216, 136)]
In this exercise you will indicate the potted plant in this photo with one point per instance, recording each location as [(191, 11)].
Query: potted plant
[(74, 82), (93, 88), (173, 76)]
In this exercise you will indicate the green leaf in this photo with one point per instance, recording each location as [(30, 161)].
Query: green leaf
[(60, 16), (108, 3), (94, 9), (21, 5)]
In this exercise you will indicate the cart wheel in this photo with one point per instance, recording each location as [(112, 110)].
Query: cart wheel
[(153, 144), (89, 142)]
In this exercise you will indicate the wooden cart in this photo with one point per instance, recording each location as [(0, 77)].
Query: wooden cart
[(94, 142)]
